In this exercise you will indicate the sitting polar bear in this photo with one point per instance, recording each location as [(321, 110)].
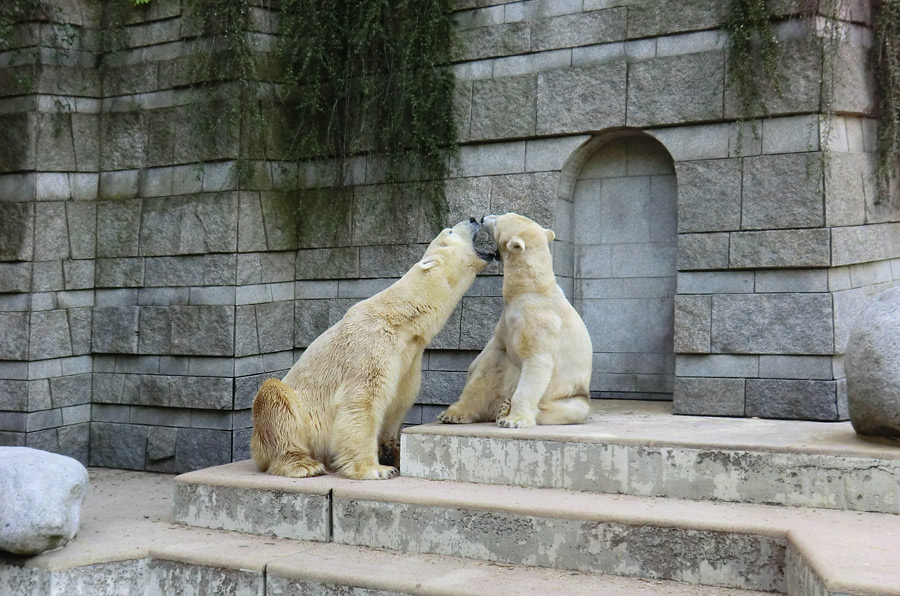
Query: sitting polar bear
[(536, 369), (350, 390)]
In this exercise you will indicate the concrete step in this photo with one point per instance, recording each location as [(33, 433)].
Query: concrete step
[(799, 551), (640, 448), (127, 546)]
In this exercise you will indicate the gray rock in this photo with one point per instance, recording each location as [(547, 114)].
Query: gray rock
[(41, 494), (872, 366)]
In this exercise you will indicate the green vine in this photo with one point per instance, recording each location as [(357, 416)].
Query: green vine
[(343, 79), (754, 58), (887, 69)]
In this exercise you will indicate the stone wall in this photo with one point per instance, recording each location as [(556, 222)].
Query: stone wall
[(144, 297)]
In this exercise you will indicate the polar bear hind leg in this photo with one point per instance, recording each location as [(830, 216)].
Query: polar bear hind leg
[(275, 444), (566, 410), (483, 393)]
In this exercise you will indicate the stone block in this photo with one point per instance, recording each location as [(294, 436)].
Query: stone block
[(187, 330), (123, 140), (264, 267), (503, 108), (793, 134), (780, 248), (54, 142), (655, 259), (526, 64), (110, 413), (79, 275), (388, 261), (51, 238), (796, 367), (86, 136), (550, 155), (246, 337), (491, 159), (792, 280), (189, 225), (385, 215), (323, 218), (161, 444), (531, 195), (205, 295), (85, 186), (449, 337), (773, 324), (39, 395), (13, 421), (114, 329), (855, 89), (441, 387), (120, 273), (576, 99), (642, 325), (14, 333), (653, 18), (715, 282), (708, 396), (81, 221), (16, 231), (13, 395), (702, 251), (46, 276), (70, 390), (74, 441), (488, 42), (860, 244), (280, 214), (200, 270), (198, 448), (120, 185), (160, 416), (579, 29), (118, 228), (80, 326), (676, 89), (50, 335), (275, 326), (625, 287), (330, 263), (18, 152), (118, 445), (479, 317), (792, 399), (709, 195), (716, 365), (311, 319), (693, 319), (782, 191)]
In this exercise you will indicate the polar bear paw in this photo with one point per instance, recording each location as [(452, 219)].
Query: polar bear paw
[(515, 422), (378, 473), (449, 417), (504, 408)]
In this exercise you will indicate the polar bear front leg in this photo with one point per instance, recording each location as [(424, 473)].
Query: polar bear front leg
[(354, 442), (523, 405), (482, 387)]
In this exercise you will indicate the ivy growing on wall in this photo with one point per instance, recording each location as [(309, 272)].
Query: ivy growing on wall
[(339, 79), (887, 72)]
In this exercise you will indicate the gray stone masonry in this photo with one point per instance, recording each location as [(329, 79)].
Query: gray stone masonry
[(719, 259)]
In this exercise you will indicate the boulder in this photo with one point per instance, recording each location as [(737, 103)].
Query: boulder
[(40, 499), (872, 365)]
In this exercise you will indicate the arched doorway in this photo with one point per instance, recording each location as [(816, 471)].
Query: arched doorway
[(622, 200)]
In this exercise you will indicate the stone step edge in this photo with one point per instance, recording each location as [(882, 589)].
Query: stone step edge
[(279, 563), (755, 475), (836, 547)]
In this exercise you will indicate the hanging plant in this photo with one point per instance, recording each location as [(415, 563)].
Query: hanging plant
[(886, 52)]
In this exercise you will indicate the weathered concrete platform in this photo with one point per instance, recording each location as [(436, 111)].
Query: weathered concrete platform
[(128, 545), (799, 551), (640, 448)]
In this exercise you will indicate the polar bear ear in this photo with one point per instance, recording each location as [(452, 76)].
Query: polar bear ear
[(428, 262), (515, 244), (551, 235)]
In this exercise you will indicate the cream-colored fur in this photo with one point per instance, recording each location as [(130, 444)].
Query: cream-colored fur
[(348, 393), (536, 369)]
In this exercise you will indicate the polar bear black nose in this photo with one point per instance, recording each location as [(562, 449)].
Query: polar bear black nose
[(482, 219), (472, 220)]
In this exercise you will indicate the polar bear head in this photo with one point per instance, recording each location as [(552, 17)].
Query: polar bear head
[(452, 254), (515, 235)]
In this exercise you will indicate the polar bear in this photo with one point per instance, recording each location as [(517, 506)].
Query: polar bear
[(348, 393), (536, 369)]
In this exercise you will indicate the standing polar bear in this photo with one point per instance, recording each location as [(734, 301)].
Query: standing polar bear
[(536, 369), (348, 393)]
